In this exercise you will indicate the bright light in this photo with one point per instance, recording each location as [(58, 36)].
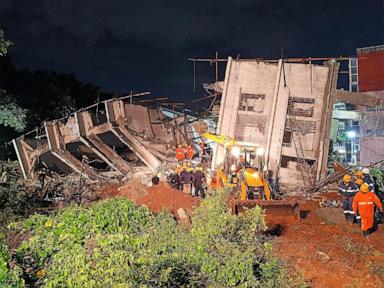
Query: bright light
[(260, 151), (351, 134), (341, 150), (233, 167), (235, 151)]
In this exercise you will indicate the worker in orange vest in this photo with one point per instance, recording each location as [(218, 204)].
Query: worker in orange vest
[(189, 151), (364, 204), (179, 153)]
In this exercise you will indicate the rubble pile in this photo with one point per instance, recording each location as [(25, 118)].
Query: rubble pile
[(156, 198), (162, 196)]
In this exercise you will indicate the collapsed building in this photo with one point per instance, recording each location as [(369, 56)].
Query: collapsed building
[(284, 107), (113, 135)]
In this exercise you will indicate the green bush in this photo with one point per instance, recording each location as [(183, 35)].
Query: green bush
[(115, 244), (9, 277)]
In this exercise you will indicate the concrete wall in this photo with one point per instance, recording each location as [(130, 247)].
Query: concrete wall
[(265, 124)]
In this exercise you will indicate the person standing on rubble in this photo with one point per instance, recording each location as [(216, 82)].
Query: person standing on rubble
[(363, 205), (179, 153), (175, 178), (199, 181), (189, 152), (348, 189), (186, 180)]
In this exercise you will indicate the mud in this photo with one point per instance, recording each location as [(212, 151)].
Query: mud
[(328, 251)]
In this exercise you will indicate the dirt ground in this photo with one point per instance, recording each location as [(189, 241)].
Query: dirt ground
[(329, 252)]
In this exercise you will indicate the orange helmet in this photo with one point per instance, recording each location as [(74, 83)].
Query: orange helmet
[(347, 178), (364, 188), (359, 181), (359, 174)]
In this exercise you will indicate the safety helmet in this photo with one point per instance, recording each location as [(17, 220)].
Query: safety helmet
[(364, 188), (185, 145), (359, 181), (365, 171), (347, 178), (189, 169), (359, 174)]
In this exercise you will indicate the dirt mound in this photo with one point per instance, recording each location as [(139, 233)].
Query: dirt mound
[(162, 196), (156, 198), (133, 190)]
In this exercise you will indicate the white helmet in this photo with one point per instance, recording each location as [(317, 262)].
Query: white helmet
[(365, 170)]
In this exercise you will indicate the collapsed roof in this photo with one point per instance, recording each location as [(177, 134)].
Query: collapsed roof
[(111, 135)]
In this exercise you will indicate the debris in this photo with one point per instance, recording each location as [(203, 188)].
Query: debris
[(182, 216), (162, 196), (322, 257)]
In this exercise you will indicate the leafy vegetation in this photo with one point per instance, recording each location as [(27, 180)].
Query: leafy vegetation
[(11, 114), (9, 277), (115, 244), (4, 44), (378, 174)]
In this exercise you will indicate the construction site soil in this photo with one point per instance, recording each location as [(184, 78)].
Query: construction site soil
[(321, 246), (156, 198), (328, 251)]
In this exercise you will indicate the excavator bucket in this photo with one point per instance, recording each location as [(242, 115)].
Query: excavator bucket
[(276, 210)]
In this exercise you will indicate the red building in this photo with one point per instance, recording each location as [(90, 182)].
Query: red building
[(370, 80), (371, 68)]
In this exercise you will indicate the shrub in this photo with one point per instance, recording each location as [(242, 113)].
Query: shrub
[(115, 244), (9, 277)]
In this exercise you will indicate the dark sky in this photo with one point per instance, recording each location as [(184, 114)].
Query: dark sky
[(125, 45)]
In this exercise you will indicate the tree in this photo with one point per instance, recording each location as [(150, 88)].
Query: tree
[(11, 114), (4, 44)]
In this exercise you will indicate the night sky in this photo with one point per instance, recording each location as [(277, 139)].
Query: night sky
[(124, 45)]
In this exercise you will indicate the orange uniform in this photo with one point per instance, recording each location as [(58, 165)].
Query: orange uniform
[(189, 152), (364, 203), (180, 154)]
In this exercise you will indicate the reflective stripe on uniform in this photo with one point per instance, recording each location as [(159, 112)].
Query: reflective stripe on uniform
[(366, 203), (358, 217)]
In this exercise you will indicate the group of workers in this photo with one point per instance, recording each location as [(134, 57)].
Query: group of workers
[(188, 179), (360, 200), (187, 152)]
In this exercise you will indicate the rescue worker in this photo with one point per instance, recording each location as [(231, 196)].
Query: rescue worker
[(368, 179), (199, 178), (186, 180), (359, 174), (175, 178), (179, 153), (189, 152), (348, 189), (364, 204), (359, 182)]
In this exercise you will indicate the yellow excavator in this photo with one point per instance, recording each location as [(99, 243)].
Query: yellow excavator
[(238, 172), (245, 175)]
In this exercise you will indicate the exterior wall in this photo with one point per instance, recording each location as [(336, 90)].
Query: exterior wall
[(264, 124), (371, 81), (371, 68)]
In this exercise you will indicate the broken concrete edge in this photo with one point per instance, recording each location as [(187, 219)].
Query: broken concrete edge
[(80, 128)]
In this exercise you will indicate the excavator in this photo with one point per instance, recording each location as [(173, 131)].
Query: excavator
[(244, 174)]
